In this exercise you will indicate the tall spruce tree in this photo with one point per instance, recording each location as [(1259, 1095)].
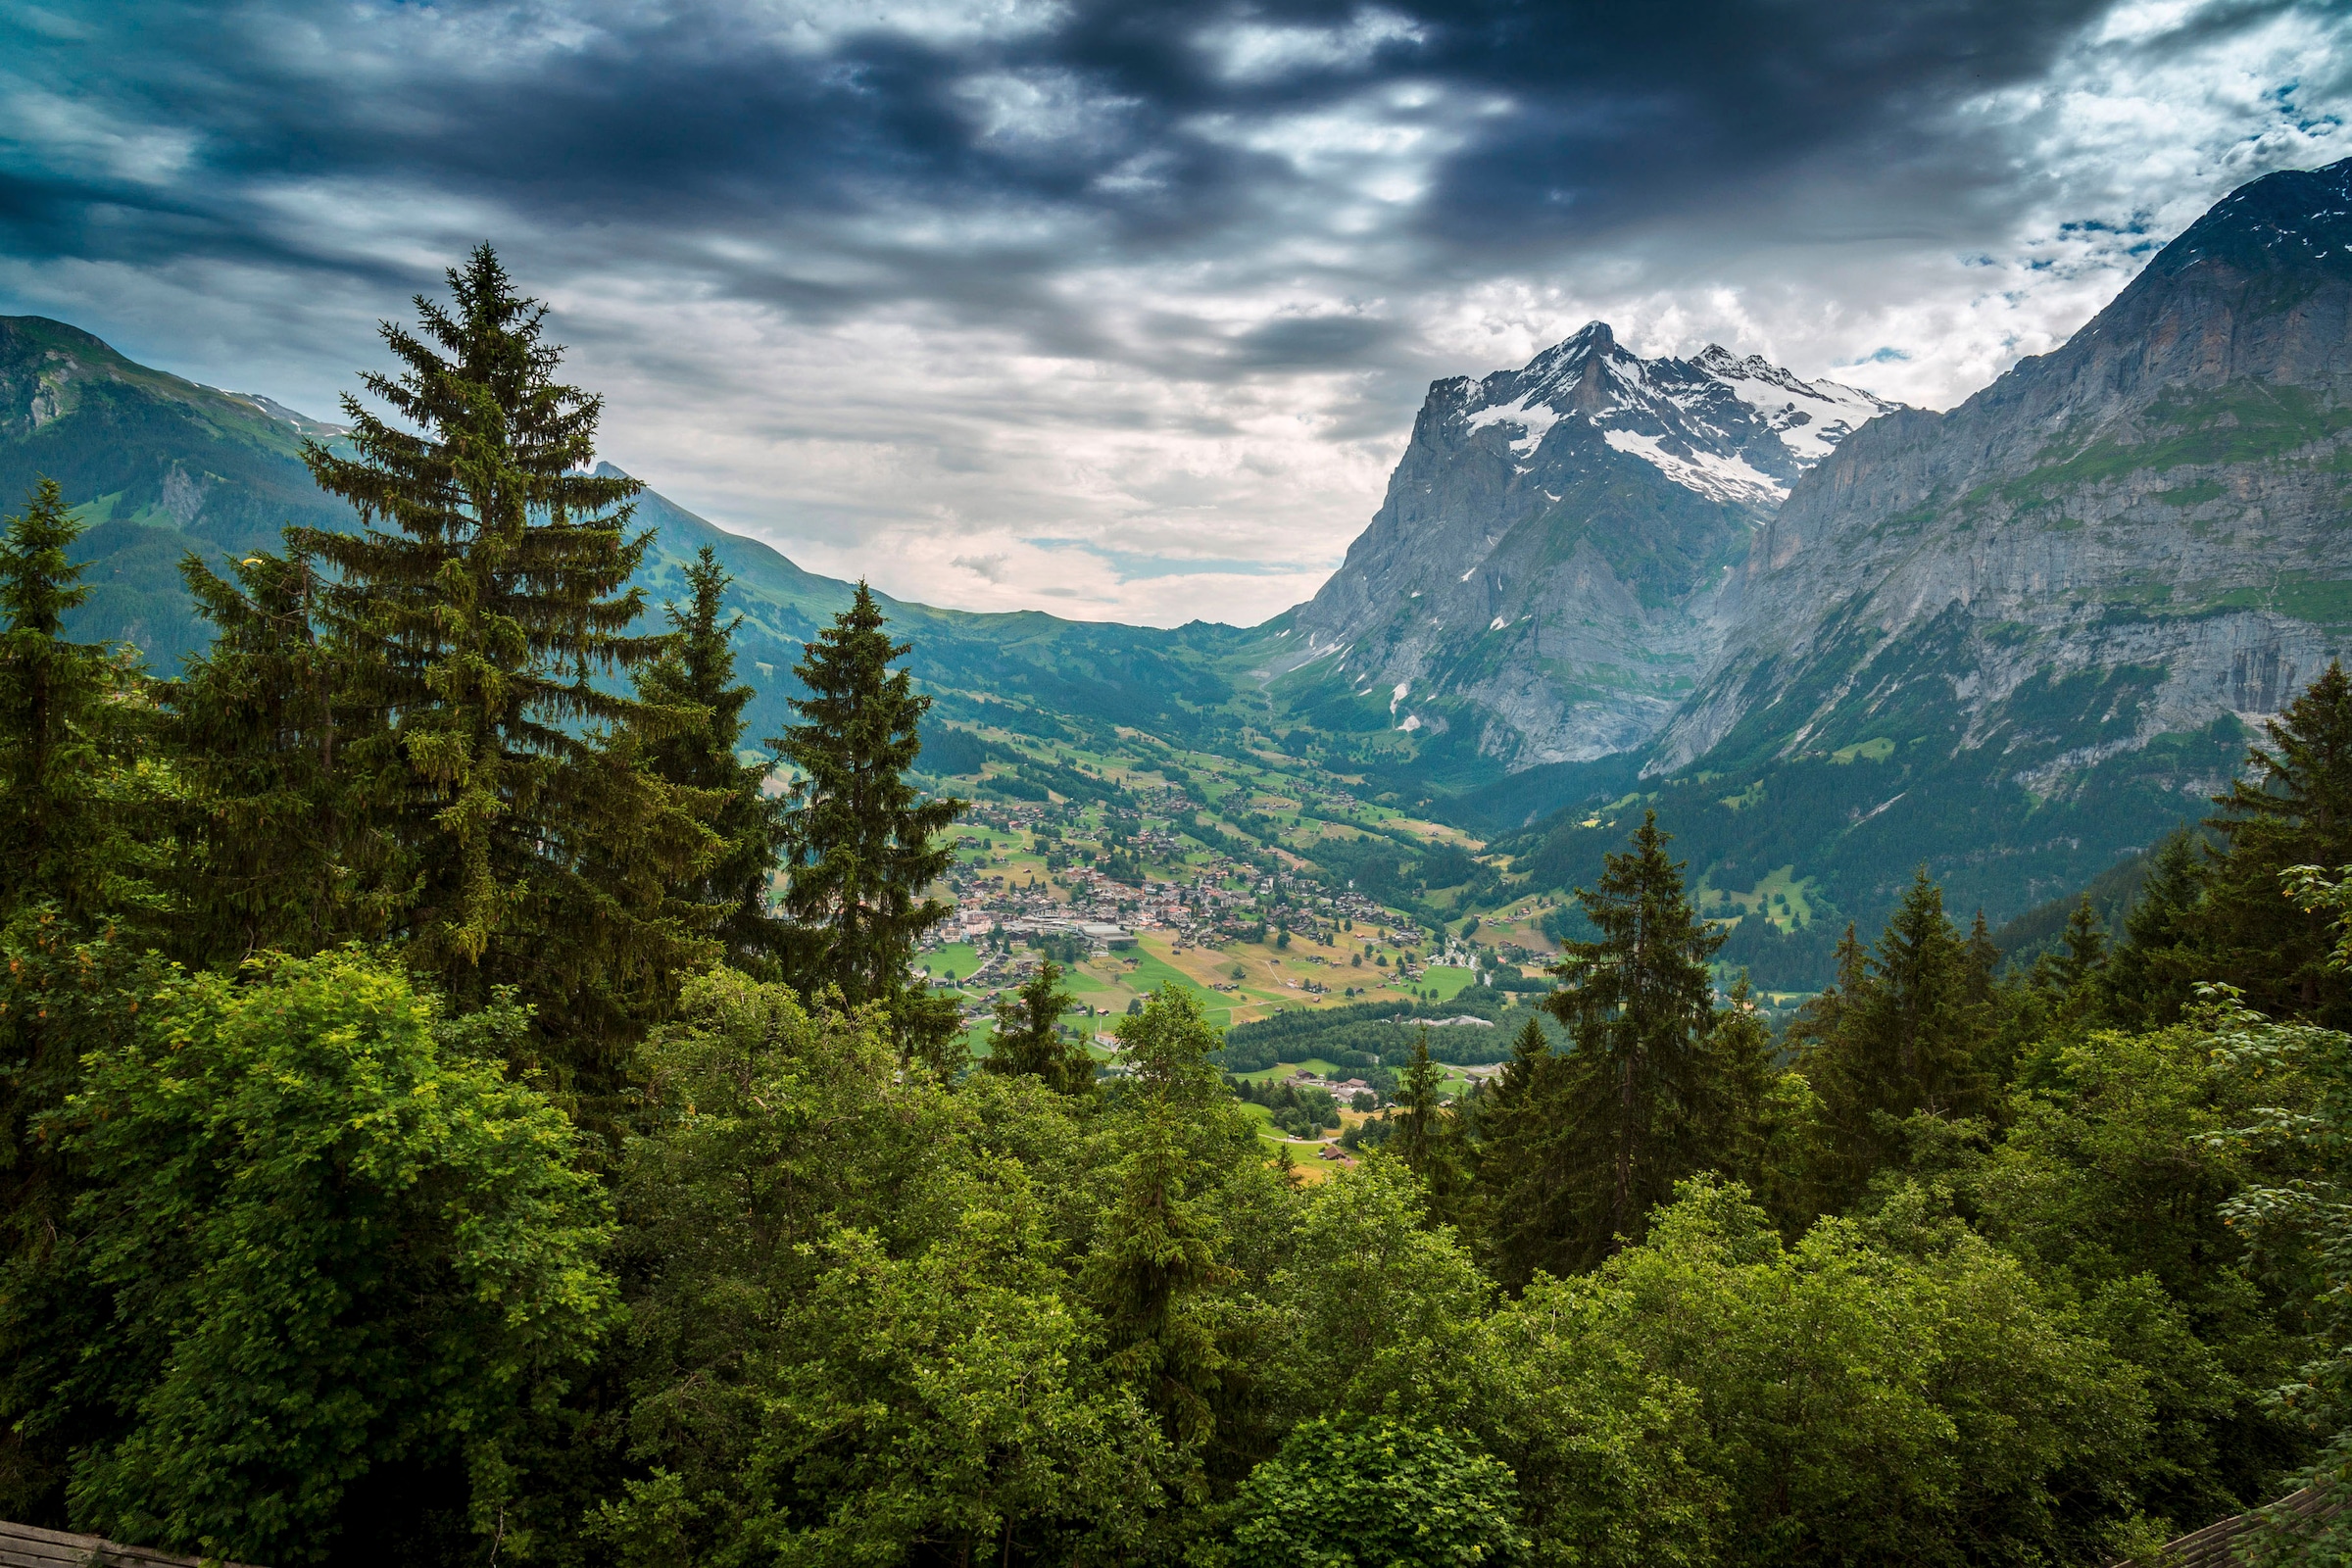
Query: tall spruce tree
[(1155, 1270), (1028, 1039), (473, 615), (861, 844), (74, 852), (273, 856), (2065, 980), (2292, 806), (1629, 1107), (1419, 1110), (70, 716), (1516, 1171), (1432, 1140), (693, 682), (1732, 1112)]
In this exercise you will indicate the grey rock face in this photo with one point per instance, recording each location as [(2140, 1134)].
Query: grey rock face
[(1549, 560), (2168, 493)]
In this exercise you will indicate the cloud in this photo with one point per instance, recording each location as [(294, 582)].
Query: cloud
[(1118, 307)]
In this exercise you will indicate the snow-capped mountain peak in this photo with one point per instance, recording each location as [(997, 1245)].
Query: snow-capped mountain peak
[(1735, 430), (1811, 417)]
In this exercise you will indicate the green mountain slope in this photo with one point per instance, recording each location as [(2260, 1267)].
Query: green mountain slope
[(162, 466), (159, 465)]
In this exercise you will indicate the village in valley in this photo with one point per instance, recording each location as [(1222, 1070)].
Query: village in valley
[(1196, 878)]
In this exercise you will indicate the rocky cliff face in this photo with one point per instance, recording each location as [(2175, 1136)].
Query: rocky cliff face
[(1548, 565), (2156, 517)]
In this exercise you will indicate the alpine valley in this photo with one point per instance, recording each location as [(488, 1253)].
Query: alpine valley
[(1827, 638)]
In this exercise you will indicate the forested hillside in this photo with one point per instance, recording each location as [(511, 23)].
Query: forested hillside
[(466, 1097)]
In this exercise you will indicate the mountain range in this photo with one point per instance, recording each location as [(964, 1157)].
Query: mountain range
[(1827, 638)]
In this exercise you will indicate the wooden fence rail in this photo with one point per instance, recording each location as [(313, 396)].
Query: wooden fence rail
[(28, 1546)]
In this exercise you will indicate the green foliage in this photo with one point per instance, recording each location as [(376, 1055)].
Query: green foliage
[(2152, 971), (2112, 1180), (277, 846), (2298, 1228), (852, 1333), (325, 1243), (71, 716), (1382, 1307), (861, 845), (1155, 1274), (2293, 808), (1909, 1027), (1376, 1492), (1592, 1139), (1861, 1405), (1028, 1039)]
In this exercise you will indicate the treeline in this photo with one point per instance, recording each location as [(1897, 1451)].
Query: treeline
[(2094, 1204), (1397, 869), (1367, 1035), (432, 1136)]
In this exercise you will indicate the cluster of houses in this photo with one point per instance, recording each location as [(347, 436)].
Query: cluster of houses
[(1200, 908)]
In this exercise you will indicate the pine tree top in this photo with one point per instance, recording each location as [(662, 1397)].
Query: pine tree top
[(484, 528), (38, 582), (2305, 776)]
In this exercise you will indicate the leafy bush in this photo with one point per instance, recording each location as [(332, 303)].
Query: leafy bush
[(326, 1237), (1378, 1494)]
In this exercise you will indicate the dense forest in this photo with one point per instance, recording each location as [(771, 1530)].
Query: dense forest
[(454, 1110)]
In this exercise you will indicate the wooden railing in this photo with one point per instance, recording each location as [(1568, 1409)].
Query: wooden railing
[(2217, 1545), (28, 1546)]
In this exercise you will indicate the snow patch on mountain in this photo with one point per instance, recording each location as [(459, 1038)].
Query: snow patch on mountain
[(1732, 429), (1810, 417), (1534, 418), (1544, 520), (1716, 475)]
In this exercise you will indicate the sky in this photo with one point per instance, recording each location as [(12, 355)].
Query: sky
[(1118, 308)]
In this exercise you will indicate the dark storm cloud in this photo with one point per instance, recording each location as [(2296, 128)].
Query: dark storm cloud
[(1024, 302), (656, 128)]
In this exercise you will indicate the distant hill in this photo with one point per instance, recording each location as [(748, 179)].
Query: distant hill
[(159, 465), (162, 466)]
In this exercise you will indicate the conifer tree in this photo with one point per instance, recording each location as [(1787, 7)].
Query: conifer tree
[(473, 616), (2293, 807), (1732, 1106), (271, 858), (1154, 1268), (1028, 1039), (1909, 1030), (1640, 1001), (1517, 1171), (68, 714), (2071, 968), (2154, 971), (861, 843), (1419, 1108), (693, 682), (1432, 1140)]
